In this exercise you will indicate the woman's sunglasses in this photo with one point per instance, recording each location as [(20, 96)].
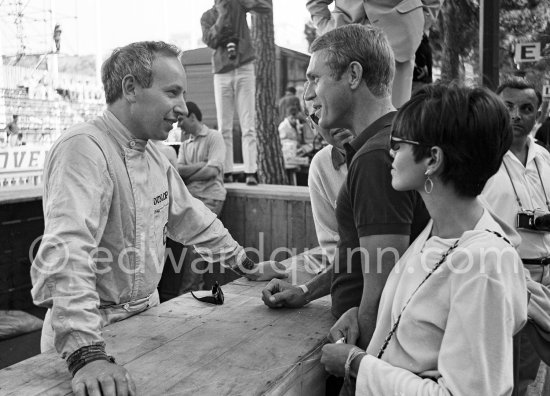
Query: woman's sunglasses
[(395, 142), (217, 297)]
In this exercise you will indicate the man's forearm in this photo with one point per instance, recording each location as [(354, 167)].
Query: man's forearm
[(320, 15), (186, 171), (373, 285), (319, 286), (205, 173)]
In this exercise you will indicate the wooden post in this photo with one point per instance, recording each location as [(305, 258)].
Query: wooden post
[(489, 42)]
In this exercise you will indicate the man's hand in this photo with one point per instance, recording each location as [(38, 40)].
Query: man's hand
[(278, 294), (347, 326), (101, 377), (334, 358), (267, 270)]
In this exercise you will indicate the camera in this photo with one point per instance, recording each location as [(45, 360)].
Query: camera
[(533, 220), (231, 50)]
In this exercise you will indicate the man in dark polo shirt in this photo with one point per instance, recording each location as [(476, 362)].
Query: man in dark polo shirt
[(350, 76)]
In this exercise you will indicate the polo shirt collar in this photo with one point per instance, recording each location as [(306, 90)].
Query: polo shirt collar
[(353, 146), (338, 158), (203, 132), (121, 134)]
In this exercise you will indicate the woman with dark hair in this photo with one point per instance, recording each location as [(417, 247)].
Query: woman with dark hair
[(457, 296)]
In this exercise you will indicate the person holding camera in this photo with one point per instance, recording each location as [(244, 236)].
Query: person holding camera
[(519, 193), (225, 30)]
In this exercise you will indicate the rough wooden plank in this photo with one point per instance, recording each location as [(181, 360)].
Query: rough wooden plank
[(187, 347), (269, 191), (279, 230), (296, 226), (234, 217), (245, 340), (311, 235), (257, 220)]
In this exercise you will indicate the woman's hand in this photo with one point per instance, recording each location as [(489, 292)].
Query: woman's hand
[(334, 358)]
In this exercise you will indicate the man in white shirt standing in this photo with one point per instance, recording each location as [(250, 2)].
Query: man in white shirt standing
[(518, 192)]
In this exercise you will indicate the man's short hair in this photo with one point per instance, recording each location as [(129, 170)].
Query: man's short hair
[(470, 125), (516, 82), (292, 90), (134, 59), (192, 108), (15, 116), (367, 45)]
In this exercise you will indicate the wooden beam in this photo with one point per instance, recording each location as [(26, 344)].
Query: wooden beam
[(489, 42)]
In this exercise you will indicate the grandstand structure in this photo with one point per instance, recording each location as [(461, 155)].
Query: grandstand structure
[(46, 100)]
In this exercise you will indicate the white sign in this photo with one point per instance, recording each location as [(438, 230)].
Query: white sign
[(22, 158), (527, 52), (546, 91)]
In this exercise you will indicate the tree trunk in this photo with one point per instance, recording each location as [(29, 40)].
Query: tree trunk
[(450, 60), (271, 169)]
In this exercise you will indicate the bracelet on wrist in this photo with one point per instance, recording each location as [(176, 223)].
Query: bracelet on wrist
[(245, 267), (87, 354), (353, 353)]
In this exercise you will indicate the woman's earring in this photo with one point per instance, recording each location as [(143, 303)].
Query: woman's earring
[(428, 184)]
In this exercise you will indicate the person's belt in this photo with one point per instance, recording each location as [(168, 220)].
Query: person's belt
[(537, 261)]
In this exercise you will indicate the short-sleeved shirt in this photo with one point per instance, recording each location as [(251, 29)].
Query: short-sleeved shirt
[(207, 146), (368, 205)]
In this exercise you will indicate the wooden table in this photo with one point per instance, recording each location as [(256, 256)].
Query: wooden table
[(185, 347)]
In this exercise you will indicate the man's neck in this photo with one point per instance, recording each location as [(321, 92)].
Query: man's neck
[(520, 148), (196, 130), (377, 108), (120, 112)]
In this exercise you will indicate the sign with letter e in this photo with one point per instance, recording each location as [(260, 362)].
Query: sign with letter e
[(527, 52), (546, 91)]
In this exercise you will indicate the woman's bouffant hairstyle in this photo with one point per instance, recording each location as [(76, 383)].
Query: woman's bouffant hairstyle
[(470, 125)]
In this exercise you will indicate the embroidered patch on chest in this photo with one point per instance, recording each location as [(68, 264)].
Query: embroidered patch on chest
[(160, 198)]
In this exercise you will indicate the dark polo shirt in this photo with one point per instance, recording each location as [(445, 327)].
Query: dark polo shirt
[(368, 205)]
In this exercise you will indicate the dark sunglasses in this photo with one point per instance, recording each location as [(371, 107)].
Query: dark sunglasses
[(216, 297), (395, 142)]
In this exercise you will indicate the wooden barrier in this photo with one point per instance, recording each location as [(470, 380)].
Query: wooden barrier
[(270, 218), (271, 221), (186, 347)]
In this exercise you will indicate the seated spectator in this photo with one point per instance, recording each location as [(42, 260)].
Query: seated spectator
[(287, 101), (449, 309), (296, 137), (200, 164)]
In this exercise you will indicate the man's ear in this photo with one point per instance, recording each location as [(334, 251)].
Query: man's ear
[(355, 74), (129, 88)]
